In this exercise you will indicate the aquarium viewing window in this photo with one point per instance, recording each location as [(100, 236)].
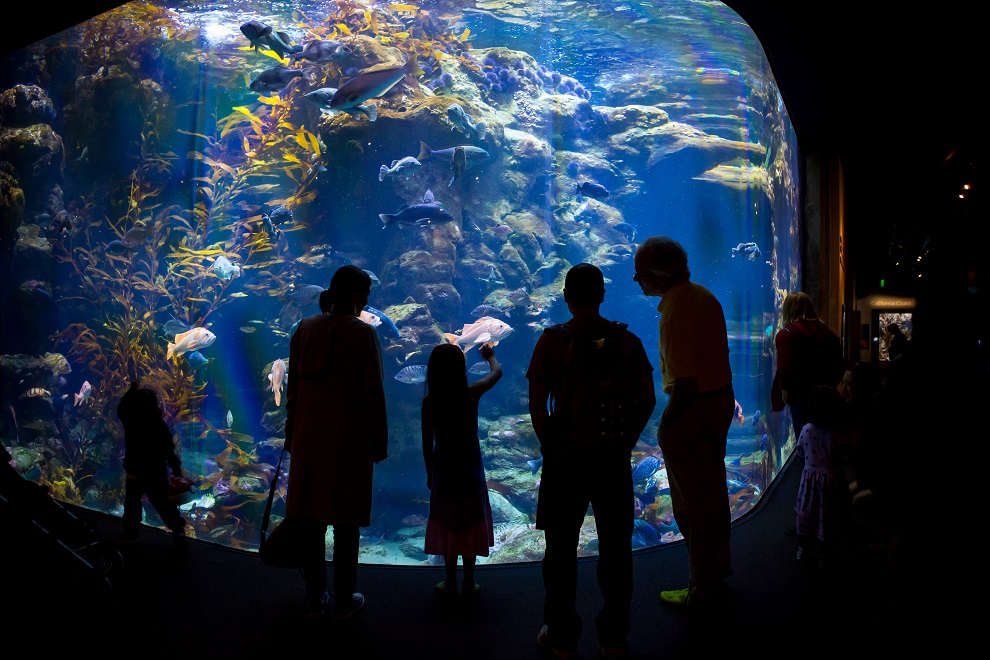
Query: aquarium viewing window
[(162, 172)]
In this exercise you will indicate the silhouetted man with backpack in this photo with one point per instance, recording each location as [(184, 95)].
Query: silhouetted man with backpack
[(590, 396)]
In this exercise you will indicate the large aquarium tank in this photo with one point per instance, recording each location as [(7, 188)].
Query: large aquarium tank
[(180, 180)]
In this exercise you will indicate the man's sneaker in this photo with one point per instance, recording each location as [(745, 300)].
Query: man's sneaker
[(319, 610), (349, 609), (547, 646), (677, 597)]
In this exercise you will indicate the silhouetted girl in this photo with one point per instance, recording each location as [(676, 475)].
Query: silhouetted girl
[(823, 495), (460, 521)]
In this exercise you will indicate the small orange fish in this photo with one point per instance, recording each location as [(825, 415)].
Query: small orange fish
[(738, 413)]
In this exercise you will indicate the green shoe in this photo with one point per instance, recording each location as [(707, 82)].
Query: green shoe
[(677, 597), (444, 590)]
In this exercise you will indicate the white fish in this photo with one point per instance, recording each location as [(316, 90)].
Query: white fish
[(84, 393), (405, 167), (412, 374), (277, 378), (485, 330), (204, 502), (371, 319), (191, 340), (225, 268), (230, 419)]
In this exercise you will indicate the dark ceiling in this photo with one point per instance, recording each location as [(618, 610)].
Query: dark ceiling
[(890, 89)]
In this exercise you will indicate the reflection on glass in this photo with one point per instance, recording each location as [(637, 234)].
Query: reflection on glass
[(168, 173)]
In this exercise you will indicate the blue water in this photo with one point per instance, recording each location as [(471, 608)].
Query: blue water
[(670, 106)]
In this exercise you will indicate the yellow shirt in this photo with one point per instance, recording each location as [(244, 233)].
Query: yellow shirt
[(693, 338)]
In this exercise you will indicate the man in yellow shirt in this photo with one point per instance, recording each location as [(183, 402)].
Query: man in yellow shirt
[(694, 365)]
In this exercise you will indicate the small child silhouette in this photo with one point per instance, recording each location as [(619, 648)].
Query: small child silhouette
[(823, 493), (460, 521), (148, 454)]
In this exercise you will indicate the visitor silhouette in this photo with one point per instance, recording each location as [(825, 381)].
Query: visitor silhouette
[(335, 430), (581, 468), (460, 522)]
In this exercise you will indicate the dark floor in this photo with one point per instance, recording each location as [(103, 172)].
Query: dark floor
[(211, 602)]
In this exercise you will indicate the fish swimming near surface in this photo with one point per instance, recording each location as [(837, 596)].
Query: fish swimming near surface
[(535, 464), (480, 368), (321, 99), (276, 78), (191, 340), (418, 215), (645, 468), (473, 156), (322, 51), (749, 250), (84, 392), (278, 377), (458, 163), (593, 190), (404, 167), (371, 84), (387, 327), (412, 374), (485, 330), (225, 268), (264, 36), (459, 117)]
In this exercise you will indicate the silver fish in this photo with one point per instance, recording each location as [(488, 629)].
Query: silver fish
[(322, 51), (371, 84), (473, 156), (405, 167), (263, 36), (321, 99), (275, 78), (412, 374), (459, 118)]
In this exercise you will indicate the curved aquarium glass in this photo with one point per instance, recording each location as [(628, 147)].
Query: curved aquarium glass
[(162, 172)]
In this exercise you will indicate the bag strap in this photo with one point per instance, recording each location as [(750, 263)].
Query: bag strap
[(271, 496)]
